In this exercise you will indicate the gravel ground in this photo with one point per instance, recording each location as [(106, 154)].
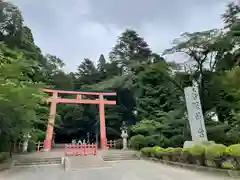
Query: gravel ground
[(121, 170)]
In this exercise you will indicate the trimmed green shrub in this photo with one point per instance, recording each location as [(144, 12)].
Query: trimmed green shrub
[(215, 151), (167, 154), (207, 143), (31, 146), (196, 150), (176, 141), (214, 154), (147, 151), (118, 144), (159, 153), (177, 150), (233, 150), (176, 154), (156, 149), (137, 142), (151, 141), (185, 155), (4, 156), (204, 153)]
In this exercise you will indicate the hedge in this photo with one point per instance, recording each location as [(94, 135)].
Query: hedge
[(4, 156), (204, 154), (137, 142)]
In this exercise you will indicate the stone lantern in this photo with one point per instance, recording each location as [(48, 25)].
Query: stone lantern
[(26, 138), (124, 136)]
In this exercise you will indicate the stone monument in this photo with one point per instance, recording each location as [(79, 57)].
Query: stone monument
[(26, 138), (195, 115)]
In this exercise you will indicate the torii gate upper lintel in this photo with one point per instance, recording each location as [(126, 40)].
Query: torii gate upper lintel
[(54, 100)]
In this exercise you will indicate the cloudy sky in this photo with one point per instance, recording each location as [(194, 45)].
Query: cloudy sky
[(76, 29)]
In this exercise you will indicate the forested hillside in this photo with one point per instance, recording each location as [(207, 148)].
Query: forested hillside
[(150, 89)]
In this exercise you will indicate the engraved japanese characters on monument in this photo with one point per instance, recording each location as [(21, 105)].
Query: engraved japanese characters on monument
[(195, 115)]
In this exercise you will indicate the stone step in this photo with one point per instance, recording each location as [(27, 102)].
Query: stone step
[(119, 158), (119, 155), (40, 161), (36, 164)]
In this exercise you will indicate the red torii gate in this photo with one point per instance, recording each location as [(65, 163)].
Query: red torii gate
[(78, 100)]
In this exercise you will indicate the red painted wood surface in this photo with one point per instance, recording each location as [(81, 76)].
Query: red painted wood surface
[(111, 144), (80, 149), (39, 146), (81, 92), (80, 101)]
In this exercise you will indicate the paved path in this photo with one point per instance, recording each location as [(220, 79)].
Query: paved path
[(122, 170)]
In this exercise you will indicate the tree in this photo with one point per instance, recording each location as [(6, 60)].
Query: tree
[(231, 18), (101, 67), (143, 80), (156, 58), (54, 64), (232, 28), (61, 80), (231, 15), (20, 99), (131, 49), (11, 22), (87, 73), (153, 91)]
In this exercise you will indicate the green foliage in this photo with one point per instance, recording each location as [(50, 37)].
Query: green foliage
[(157, 148), (20, 98), (234, 150), (130, 52), (214, 151), (210, 154), (4, 156), (143, 80), (196, 150), (159, 154), (185, 155), (31, 146), (147, 151), (137, 142)]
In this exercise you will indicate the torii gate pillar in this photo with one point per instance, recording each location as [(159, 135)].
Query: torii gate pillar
[(50, 125), (103, 136)]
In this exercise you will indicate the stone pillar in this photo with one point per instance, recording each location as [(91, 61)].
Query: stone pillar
[(195, 116)]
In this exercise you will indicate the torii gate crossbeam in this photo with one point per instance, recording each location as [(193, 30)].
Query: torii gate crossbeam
[(55, 99)]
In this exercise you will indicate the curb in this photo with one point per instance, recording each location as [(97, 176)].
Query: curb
[(227, 172)]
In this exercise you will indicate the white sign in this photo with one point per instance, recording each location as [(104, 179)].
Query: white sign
[(195, 115)]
